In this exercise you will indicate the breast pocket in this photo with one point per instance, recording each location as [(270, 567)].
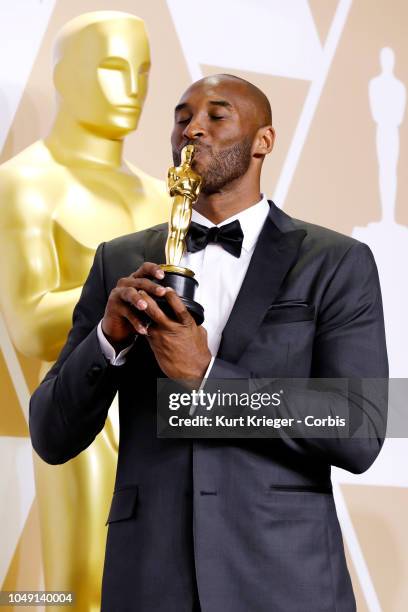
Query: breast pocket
[(290, 312), (124, 504), (284, 342)]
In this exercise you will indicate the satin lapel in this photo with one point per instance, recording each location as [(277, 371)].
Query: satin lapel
[(155, 245), (274, 255)]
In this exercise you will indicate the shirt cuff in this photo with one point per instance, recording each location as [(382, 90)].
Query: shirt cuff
[(210, 365), (108, 350)]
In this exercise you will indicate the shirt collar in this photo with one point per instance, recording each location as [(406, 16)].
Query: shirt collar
[(251, 220)]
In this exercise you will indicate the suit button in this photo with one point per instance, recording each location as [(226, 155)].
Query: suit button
[(93, 373)]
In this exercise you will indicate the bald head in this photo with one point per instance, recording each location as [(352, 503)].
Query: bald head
[(261, 107)]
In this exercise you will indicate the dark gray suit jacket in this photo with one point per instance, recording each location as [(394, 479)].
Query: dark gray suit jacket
[(251, 523)]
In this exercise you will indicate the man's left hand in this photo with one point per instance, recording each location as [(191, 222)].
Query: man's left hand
[(180, 346)]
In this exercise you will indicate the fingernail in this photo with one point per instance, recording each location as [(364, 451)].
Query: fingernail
[(169, 289), (141, 330), (160, 290), (141, 304), (159, 274)]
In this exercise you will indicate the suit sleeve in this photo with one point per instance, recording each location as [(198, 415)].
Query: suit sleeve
[(70, 406), (349, 343)]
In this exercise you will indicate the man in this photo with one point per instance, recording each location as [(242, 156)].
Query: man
[(228, 525)]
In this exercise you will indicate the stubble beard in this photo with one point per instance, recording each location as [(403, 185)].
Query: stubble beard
[(224, 167)]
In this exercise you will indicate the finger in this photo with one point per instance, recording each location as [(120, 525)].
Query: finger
[(139, 299), (181, 312), (149, 269), (150, 306), (124, 310), (146, 284), (133, 320), (135, 300)]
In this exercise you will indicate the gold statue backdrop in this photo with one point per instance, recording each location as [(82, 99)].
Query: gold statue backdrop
[(59, 199)]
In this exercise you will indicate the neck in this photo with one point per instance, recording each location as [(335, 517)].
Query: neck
[(71, 142), (230, 201)]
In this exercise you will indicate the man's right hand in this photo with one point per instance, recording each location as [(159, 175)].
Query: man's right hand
[(120, 321)]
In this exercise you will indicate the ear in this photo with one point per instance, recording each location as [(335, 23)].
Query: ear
[(264, 141)]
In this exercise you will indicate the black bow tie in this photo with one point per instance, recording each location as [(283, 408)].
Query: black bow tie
[(228, 236)]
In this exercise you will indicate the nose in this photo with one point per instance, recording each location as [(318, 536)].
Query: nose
[(132, 83), (193, 130)]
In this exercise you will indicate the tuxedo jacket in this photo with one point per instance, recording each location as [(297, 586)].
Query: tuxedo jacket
[(250, 524)]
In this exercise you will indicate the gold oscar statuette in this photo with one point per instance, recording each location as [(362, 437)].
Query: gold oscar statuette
[(184, 187)]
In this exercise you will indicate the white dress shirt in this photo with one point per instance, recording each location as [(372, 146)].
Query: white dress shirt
[(219, 275)]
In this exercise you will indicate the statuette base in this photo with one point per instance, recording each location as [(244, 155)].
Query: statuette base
[(184, 285)]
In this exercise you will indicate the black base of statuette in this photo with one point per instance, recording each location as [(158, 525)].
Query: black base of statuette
[(185, 287)]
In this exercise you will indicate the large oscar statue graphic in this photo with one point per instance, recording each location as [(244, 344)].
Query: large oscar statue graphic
[(184, 187), (59, 199)]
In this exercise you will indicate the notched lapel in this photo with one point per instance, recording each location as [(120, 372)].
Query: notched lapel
[(274, 255)]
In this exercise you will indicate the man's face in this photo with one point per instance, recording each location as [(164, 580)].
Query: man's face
[(217, 118)]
